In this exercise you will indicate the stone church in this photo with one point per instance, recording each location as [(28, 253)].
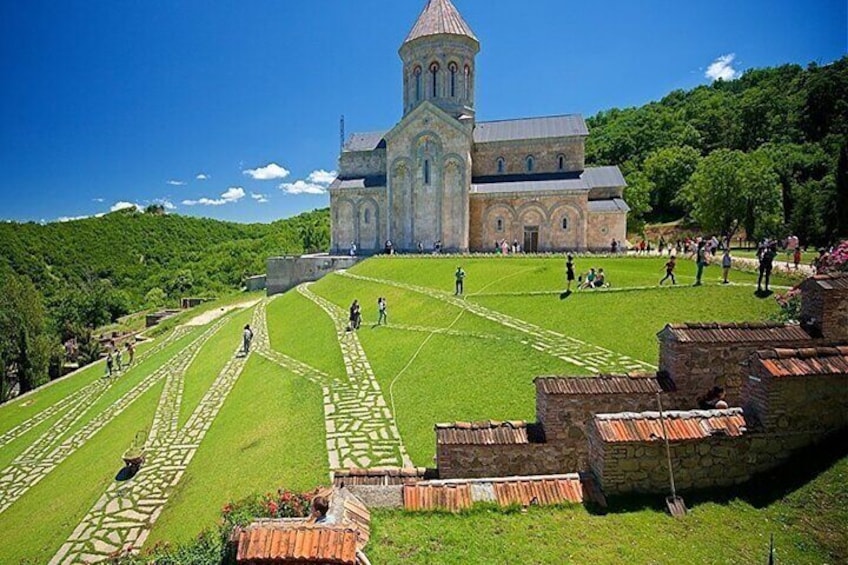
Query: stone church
[(439, 175)]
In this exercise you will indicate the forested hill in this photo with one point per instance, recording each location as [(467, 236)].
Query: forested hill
[(786, 124), (130, 259)]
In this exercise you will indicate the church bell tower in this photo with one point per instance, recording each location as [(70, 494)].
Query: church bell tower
[(439, 61)]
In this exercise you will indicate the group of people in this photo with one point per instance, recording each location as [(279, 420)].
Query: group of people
[(590, 279), (504, 248), (355, 314), (115, 359)]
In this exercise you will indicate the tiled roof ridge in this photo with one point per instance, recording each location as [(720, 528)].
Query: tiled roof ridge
[(728, 325), (634, 375), (296, 524), (803, 352), (831, 275), (381, 471), (482, 425), (670, 415), (573, 114)]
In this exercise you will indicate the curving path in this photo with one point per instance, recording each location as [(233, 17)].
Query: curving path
[(594, 358), (121, 519)]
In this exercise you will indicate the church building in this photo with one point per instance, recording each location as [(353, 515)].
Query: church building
[(441, 176)]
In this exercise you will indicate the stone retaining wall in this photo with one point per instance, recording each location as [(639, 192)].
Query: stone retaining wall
[(495, 460), (285, 273)]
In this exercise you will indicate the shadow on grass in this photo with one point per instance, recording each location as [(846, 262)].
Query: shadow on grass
[(763, 293), (760, 491), (126, 473), (564, 295)]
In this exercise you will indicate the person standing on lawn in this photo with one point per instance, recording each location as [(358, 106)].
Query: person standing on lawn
[(460, 278), (109, 363), (766, 264), (700, 261), (569, 272), (130, 352), (381, 309), (726, 262), (119, 360), (796, 256)]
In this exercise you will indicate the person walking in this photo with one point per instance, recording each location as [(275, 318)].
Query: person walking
[(109, 363), (247, 337), (569, 272), (119, 359), (669, 270), (700, 261), (726, 262), (766, 264), (460, 278), (796, 256), (381, 309), (130, 352), (355, 316)]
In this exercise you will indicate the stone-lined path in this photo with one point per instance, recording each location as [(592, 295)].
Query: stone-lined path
[(121, 519), (41, 458), (361, 430), (593, 358), (81, 399)]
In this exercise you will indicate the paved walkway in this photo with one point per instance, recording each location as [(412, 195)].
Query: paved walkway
[(361, 430), (42, 457), (122, 518), (593, 358), (81, 399)]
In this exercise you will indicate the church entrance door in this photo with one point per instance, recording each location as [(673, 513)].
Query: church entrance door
[(531, 239)]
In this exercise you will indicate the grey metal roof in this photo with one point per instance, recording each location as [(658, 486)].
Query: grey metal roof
[(439, 17), (360, 182), (530, 128), (610, 205), (530, 186), (604, 177), (365, 141)]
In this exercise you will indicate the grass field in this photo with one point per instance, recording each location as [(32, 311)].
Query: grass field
[(438, 359)]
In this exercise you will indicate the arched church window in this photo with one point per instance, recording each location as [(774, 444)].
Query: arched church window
[(452, 68), (501, 165), (434, 70), (417, 73), (531, 162), (560, 162), (426, 171), (467, 85), (367, 215), (564, 223), (499, 224)]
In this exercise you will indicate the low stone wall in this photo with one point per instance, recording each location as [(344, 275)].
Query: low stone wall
[(285, 273), (254, 283), (476, 461)]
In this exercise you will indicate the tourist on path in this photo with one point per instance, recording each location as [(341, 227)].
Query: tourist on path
[(355, 317), (460, 277), (700, 262), (766, 264), (381, 309), (796, 257), (247, 337), (569, 272), (726, 262), (109, 362), (130, 352), (669, 270), (119, 360)]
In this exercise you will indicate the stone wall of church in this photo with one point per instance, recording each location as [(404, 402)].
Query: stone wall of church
[(545, 154), (505, 216), (358, 216), (357, 164), (602, 228), (429, 145)]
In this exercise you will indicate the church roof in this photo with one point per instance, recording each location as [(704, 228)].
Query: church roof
[(439, 17), (366, 141), (530, 128), (593, 177), (608, 205)]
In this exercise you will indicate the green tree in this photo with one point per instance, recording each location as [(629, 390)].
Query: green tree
[(25, 347), (729, 190), (637, 194), (155, 297), (841, 204), (668, 170)]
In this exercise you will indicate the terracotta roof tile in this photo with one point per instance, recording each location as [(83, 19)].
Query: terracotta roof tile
[(733, 332), (378, 476), (482, 433), (600, 384), (450, 497), (829, 281), (681, 426), (805, 361), (285, 544)]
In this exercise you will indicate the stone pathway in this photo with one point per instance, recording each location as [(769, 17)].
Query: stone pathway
[(446, 331), (361, 430), (593, 358), (121, 519), (42, 457), (81, 399)]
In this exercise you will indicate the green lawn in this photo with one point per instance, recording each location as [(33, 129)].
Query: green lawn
[(269, 434)]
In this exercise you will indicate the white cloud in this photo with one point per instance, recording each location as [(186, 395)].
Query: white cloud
[(123, 205), (722, 68), (165, 203), (260, 198), (173, 182), (64, 219), (232, 194), (322, 177), (270, 171), (202, 176), (97, 200), (316, 183)]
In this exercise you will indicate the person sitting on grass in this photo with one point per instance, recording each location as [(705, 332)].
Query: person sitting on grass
[(601, 280), (589, 279)]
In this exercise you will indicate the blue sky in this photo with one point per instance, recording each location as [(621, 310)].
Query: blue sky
[(106, 102)]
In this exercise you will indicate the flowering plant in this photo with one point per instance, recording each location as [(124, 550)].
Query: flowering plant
[(280, 504), (790, 305), (836, 260)]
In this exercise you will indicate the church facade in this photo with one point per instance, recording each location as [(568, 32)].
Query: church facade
[(440, 176)]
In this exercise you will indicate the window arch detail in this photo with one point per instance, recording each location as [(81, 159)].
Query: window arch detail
[(426, 171), (564, 223), (453, 68), (467, 84), (367, 215), (501, 165), (417, 74), (560, 162), (499, 224), (530, 163), (434, 70)]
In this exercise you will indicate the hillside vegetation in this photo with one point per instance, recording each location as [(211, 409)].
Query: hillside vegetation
[(777, 129)]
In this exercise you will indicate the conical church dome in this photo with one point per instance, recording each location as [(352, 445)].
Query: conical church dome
[(440, 17)]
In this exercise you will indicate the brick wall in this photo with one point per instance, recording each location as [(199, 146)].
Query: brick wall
[(826, 309), (476, 461)]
